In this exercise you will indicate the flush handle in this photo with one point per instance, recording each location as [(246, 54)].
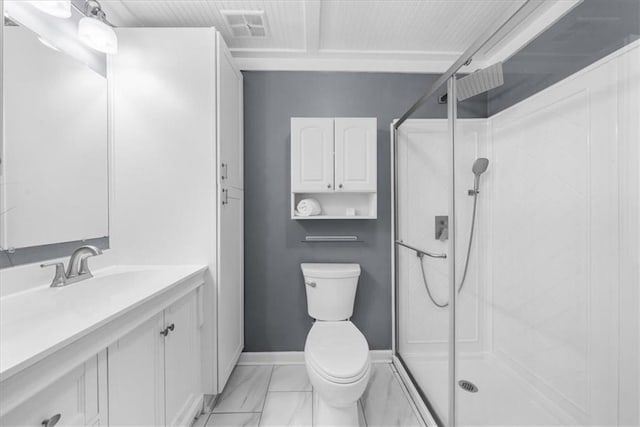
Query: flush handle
[(311, 284)]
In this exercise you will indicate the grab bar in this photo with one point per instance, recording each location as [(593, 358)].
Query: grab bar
[(420, 251), (328, 239)]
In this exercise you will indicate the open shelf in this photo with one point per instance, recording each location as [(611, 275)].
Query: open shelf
[(335, 204)]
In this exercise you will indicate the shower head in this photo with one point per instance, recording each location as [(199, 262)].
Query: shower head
[(480, 166), (480, 81)]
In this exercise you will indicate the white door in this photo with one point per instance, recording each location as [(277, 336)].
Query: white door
[(230, 132), (311, 155), (136, 376), (230, 284), (356, 154), (182, 360)]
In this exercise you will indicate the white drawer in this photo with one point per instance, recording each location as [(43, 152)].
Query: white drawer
[(74, 397)]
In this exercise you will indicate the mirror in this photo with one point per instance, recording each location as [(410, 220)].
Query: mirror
[(54, 169)]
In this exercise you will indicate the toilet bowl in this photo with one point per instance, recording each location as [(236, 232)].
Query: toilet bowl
[(336, 353)]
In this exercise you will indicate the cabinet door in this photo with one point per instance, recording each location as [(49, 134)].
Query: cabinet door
[(182, 360), (136, 376), (311, 155), (356, 154), (230, 285), (73, 398), (230, 132)]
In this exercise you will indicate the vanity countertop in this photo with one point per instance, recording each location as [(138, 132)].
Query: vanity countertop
[(38, 322)]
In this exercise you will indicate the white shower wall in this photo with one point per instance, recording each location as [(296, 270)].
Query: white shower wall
[(552, 302)]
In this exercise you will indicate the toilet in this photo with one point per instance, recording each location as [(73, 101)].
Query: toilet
[(336, 353)]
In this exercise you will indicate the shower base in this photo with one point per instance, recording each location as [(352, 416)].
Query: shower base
[(502, 398)]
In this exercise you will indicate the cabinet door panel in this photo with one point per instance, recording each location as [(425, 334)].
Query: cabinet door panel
[(230, 132), (356, 154), (311, 155), (230, 286), (136, 376), (74, 397), (182, 359)]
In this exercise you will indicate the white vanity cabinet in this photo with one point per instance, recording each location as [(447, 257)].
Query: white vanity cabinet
[(334, 160), (72, 400), (154, 370)]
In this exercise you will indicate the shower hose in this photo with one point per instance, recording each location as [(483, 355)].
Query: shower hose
[(466, 263)]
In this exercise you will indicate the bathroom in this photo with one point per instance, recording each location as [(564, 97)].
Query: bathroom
[(320, 213)]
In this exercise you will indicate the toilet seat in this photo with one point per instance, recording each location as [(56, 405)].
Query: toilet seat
[(337, 351)]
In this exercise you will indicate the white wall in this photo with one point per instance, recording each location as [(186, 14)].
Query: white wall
[(423, 193), (561, 242), (164, 159)]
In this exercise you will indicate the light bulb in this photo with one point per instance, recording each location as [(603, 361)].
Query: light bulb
[(57, 8), (98, 35)]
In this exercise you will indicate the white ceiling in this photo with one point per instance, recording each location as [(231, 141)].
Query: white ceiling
[(384, 35)]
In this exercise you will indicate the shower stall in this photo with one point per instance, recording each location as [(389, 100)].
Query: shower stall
[(517, 227)]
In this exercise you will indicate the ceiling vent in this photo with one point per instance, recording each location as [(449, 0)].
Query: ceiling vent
[(246, 23)]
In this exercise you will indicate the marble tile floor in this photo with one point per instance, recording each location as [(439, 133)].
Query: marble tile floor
[(281, 395)]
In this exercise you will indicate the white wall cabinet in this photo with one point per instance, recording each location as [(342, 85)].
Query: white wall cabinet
[(312, 155), (334, 160), (355, 154), (230, 283), (154, 371), (230, 123)]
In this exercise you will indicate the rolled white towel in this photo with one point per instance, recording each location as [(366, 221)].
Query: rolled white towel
[(308, 207)]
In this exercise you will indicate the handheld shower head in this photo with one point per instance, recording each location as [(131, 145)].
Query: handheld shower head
[(479, 167)]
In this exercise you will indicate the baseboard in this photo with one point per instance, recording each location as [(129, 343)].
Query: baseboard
[(190, 411), (297, 357)]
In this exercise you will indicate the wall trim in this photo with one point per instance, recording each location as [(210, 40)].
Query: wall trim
[(297, 357)]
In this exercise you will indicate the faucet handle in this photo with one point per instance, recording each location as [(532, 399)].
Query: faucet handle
[(60, 278)]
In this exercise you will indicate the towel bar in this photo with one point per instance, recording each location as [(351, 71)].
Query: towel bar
[(316, 239)]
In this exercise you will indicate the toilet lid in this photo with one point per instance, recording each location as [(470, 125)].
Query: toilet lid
[(337, 350)]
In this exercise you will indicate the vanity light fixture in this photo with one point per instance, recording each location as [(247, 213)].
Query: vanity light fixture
[(95, 31), (57, 8)]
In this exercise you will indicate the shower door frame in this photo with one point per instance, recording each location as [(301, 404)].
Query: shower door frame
[(491, 36)]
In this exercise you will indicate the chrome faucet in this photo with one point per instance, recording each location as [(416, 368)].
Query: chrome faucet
[(78, 268)]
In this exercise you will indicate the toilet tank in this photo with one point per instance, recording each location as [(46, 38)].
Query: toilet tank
[(331, 289)]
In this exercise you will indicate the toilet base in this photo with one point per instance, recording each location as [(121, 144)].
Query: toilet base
[(325, 415)]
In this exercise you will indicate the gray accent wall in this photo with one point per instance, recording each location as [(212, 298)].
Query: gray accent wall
[(276, 316), (591, 31)]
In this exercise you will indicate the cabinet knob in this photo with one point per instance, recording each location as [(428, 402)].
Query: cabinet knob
[(328, 185), (340, 186), (50, 422), (171, 327), (164, 332)]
